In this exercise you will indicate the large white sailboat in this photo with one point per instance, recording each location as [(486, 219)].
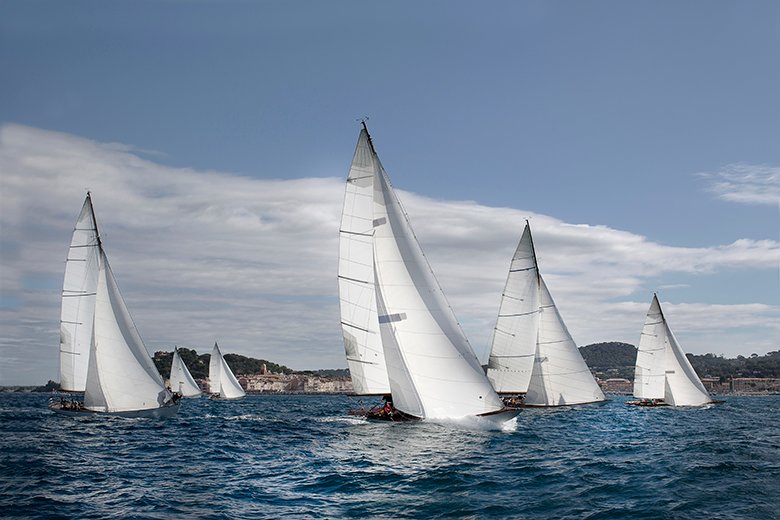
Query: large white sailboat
[(663, 375), (181, 381), (115, 371), (532, 353), (431, 369), (222, 383)]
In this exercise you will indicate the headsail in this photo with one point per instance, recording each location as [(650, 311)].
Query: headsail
[(560, 375), (78, 300), (221, 378), (121, 375), (357, 299), (432, 370), (662, 369), (181, 380), (532, 351)]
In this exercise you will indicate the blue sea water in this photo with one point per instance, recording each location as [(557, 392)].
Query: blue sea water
[(304, 457)]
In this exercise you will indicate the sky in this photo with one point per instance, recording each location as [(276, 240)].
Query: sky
[(641, 140)]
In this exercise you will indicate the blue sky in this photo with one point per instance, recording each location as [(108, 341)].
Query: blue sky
[(656, 120)]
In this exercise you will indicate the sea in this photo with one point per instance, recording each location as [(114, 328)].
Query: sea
[(304, 456)]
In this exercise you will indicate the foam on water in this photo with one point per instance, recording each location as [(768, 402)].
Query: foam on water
[(290, 456)]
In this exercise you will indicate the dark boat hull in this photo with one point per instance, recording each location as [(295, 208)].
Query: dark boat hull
[(163, 412)]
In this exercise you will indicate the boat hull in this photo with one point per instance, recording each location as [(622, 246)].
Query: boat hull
[(163, 412), (501, 416)]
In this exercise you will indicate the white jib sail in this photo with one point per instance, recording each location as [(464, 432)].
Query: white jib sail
[(683, 386), (432, 370), (560, 375), (649, 371), (122, 376), (359, 325), (221, 378), (513, 345), (181, 380), (78, 301)]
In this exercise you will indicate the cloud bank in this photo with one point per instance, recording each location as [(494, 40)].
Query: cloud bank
[(746, 184), (251, 262)]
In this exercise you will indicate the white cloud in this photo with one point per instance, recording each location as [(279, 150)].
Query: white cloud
[(746, 184), (203, 256)]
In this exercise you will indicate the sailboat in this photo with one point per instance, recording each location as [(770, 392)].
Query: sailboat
[(181, 381), (431, 369), (663, 376), (532, 354), (115, 371), (222, 383)]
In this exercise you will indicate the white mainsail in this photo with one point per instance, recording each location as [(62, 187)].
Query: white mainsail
[(357, 299), (432, 370), (78, 300), (121, 376), (662, 370), (222, 382), (513, 346), (532, 351), (181, 380)]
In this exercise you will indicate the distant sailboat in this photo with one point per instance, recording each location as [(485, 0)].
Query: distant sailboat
[(222, 383), (532, 352), (120, 378), (181, 380), (663, 375), (431, 368)]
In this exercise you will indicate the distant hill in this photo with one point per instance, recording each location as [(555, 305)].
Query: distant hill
[(614, 359), (198, 365)]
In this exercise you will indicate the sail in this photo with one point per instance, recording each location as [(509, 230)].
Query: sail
[(662, 369), (181, 380), (649, 371), (359, 325), (513, 344), (121, 375), (78, 300), (221, 378), (433, 372), (560, 376)]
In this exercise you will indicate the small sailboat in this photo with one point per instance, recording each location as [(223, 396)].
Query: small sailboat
[(222, 383), (533, 357), (116, 373), (181, 381), (663, 376), (431, 369)]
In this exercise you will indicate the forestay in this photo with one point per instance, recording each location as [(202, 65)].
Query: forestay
[(432, 370), (357, 299), (78, 300)]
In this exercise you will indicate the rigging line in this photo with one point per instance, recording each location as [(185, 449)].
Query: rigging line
[(77, 295), (523, 269)]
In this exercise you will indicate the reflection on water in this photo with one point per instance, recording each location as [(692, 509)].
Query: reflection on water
[(276, 456)]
